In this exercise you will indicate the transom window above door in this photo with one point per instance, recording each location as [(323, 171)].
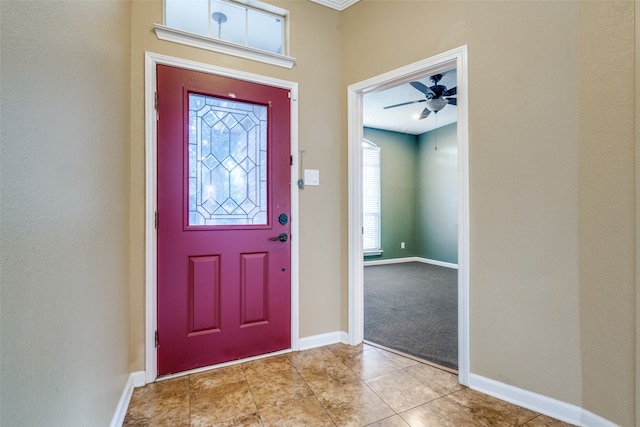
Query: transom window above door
[(246, 28)]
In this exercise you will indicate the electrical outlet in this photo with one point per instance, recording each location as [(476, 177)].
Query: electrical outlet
[(401, 245)]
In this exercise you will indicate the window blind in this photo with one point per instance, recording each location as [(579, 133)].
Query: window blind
[(370, 196)]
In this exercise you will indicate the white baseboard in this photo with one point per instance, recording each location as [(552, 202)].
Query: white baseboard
[(323, 339), (410, 259), (136, 379), (536, 402), (590, 419)]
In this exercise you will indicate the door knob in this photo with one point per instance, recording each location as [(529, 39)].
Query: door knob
[(282, 237)]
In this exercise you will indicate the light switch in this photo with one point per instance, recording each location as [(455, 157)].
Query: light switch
[(311, 177)]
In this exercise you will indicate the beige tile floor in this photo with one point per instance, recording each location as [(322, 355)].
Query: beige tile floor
[(336, 385)]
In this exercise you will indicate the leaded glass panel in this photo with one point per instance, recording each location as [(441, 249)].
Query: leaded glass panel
[(227, 162)]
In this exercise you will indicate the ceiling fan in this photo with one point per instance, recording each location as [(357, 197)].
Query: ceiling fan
[(437, 96)]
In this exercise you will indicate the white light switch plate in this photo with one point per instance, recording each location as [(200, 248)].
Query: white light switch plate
[(311, 177)]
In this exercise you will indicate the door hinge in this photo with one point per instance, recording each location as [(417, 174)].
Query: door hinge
[(156, 339), (156, 220), (290, 160), (289, 95), (155, 100)]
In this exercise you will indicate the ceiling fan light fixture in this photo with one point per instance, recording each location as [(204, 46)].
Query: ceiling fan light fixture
[(436, 104)]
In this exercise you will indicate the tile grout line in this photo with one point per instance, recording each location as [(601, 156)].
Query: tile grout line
[(313, 393), (189, 399), (384, 401), (363, 380), (253, 397)]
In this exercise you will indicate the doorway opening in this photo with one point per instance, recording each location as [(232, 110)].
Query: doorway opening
[(411, 276), (454, 59)]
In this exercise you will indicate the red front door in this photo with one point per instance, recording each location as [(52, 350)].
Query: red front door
[(223, 219)]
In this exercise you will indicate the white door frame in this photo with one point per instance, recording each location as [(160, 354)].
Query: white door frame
[(456, 58), (151, 320)]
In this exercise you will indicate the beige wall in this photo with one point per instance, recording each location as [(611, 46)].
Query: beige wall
[(551, 182), (637, 205), (551, 188), (64, 206), (607, 240), (316, 43)]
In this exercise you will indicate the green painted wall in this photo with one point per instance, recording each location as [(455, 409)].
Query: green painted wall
[(419, 194), (397, 191), (437, 194)]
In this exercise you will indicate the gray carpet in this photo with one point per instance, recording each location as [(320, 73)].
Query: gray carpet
[(413, 307)]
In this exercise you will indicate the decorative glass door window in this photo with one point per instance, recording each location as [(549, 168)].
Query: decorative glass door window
[(227, 162)]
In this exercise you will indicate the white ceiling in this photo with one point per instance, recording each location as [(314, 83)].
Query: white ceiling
[(401, 119)]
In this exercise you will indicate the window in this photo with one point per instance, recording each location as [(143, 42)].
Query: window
[(371, 198), (227, 162), (246, 28)]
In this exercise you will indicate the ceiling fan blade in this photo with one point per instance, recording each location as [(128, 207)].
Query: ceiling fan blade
[(404, 103), (425, 113), (452, 101), (451, 92), (422, 88)]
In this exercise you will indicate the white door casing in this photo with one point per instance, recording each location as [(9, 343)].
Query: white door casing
[(455, 58)]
